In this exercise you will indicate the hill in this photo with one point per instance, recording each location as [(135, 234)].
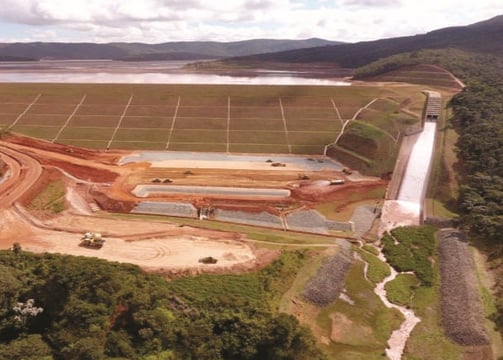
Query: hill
[(185, 50), (483, 37)]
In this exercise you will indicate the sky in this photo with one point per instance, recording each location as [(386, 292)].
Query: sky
[(156, 21)]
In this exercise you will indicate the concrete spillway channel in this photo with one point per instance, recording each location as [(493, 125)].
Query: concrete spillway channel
[(407, 209)]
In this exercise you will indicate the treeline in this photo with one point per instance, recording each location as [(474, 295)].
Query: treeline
[(85, 308), (478, 119)]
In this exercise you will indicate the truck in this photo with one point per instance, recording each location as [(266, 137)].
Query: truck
[(92, 240), (337, 182)]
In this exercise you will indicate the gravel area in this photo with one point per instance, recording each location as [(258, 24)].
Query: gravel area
[(166, 208), (363, 217), (340, 225), (462, 312), (249, 218), (314, 163), (328, 283), (308, 221)]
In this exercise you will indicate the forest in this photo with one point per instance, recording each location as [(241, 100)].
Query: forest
[(478, 119), (66, 307)]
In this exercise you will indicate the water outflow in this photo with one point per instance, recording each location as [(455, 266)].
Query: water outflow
[(406, 210), (415, 180), (399, 337)]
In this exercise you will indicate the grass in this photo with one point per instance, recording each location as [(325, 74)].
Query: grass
[(138, 145), (14, 109), (486, 280), (154, 122), (307, 149), (411, 249), (201, 120), (99, 109), (151, 110), (53, 109), (31, 119), (419, 74), (427, 340), (364, 327), (91, 144), (197, 147), (314, 125), (51, 199), (94, 121), (202, 111), (443, 187), (151, 135), (254, 124), (262, 289), (41, 132), (377, 270), (401, 290), (196, 136), (258, 137), (201, 123), (310, 137), (259, 148), (91, 133)]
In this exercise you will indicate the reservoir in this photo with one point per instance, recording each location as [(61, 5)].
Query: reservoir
[(146, 72)]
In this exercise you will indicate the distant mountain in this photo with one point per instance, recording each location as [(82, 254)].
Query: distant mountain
[(185, 50), (485, 37)]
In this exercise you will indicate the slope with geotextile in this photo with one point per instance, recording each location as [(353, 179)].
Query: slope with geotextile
[(284, 119), (372, 150), (326, 286), (462, 313)]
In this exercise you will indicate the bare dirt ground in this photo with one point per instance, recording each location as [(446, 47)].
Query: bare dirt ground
[(165, 247), (156, 246), (151, 245)]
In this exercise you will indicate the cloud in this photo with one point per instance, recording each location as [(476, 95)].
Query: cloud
[(372, 3), (169, 20)]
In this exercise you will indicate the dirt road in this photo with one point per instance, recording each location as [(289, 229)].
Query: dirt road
[(24, 172)]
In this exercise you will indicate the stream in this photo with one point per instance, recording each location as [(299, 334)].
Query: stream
[(399, 337)]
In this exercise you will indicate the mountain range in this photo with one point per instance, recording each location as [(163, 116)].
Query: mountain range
[(185, 50), (484, 37)]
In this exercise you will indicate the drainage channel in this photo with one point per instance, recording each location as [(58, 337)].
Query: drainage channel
[(399, 337)]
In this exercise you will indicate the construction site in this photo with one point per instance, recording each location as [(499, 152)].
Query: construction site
[(136, 205)]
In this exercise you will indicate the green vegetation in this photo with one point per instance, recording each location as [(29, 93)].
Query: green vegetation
[(401, 290), (415, 251), (428, 339), (411, 249), (203, 115), (359, 330), (93, 309), (477, 118), (377, 269), (51, 199)]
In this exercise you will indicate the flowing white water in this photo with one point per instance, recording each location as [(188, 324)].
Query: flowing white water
[(415, 180), (406, 210), (398, 338)]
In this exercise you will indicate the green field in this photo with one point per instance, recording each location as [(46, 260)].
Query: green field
[(234, 118)]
